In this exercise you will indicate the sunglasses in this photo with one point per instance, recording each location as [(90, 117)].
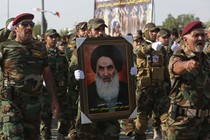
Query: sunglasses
[(27, 23)]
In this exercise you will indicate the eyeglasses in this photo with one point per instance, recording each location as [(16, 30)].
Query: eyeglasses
[(27, 23)]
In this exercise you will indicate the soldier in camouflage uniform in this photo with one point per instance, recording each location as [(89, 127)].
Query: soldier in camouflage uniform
[(59, 66), (81, 31), (190, 102), (107, 130), (5, 32), (24, 64), (103, 130), (151, 95)]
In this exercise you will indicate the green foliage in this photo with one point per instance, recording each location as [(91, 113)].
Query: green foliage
[(37, 29), (179, 22)]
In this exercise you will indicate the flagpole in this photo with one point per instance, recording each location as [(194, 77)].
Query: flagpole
[(42, 16), (7, 9)]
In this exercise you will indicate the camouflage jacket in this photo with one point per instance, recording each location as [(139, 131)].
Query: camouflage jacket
[(190, 89), (74, 84), (22, 65), (59, 66), (4, 34)]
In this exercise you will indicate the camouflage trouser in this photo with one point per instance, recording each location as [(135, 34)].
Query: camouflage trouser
[(106, 130), (64, 119), (73, 103), (151, 100), (21, 118), (184, 128), (46, 116)]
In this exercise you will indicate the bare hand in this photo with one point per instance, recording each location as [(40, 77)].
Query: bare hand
[(191, 65)]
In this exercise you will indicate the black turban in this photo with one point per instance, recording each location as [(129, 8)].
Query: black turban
[(108, 51)]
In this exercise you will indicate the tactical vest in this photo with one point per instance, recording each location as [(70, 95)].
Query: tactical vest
[(151, 68), (59, 67)]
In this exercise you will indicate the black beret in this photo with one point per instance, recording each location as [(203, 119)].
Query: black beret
[(21, 17), (107, 51), (192, 25)]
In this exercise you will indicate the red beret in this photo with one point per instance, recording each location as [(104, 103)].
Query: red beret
[(192, 25), (21, 17)]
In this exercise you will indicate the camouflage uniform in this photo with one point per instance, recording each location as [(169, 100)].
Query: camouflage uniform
[(104, 130), (20, 88), (59, 67), (73, 92), (189, 110), (151, 94)]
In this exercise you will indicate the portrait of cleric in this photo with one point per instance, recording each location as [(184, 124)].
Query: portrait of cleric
[(107, 93)]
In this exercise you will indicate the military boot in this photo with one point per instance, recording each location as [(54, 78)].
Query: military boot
[(60, 137), (157, 134)]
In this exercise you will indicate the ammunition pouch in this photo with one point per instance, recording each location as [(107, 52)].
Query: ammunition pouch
[(192, 113), (176, 110), (144, 77), (157, 74)]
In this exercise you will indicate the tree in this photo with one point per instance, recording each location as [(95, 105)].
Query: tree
[(179, 22), (37, 29)]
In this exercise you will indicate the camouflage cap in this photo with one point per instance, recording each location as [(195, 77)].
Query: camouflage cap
[(51, 32), (151, 27), (163, 33), (72, 38), (81, 25), (95, 23)]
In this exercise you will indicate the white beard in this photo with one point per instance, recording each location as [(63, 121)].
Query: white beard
[(108, 90), (198, 49)]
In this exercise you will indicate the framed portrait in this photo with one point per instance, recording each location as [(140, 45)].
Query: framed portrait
[(108, 90)]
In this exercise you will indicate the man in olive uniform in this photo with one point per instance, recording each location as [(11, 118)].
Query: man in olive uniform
[(59, 66), (24, 64), (81, 31), (151, 95), (190, 80)]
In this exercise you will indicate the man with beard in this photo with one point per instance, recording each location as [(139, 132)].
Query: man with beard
[(190, 80), (107, 93), (24, 64)]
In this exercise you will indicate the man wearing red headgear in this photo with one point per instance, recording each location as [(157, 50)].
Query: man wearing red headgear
[(24, 64), (189, 111)]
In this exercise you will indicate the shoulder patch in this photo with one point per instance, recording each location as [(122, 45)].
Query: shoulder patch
[(37, 54)]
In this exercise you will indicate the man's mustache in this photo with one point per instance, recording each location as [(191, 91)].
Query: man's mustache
[(28, 31), (199, 42)]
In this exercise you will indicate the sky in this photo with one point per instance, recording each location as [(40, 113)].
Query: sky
[(74, 11)]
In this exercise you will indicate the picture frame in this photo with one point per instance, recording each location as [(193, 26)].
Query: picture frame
[(97, 94)]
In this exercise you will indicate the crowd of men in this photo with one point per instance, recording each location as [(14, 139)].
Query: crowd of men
[(40, 80)]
